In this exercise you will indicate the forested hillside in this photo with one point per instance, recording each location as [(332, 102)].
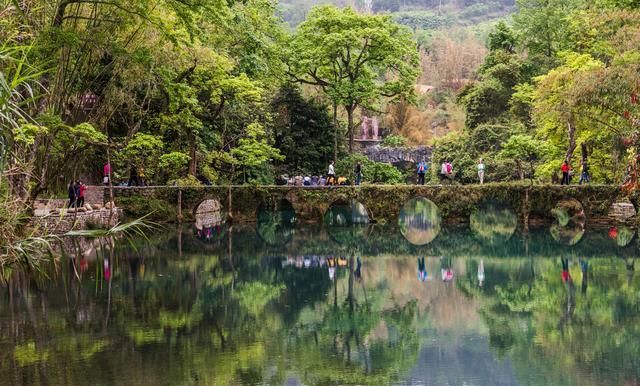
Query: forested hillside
[(215, 92), (451, 37), (423, 14)]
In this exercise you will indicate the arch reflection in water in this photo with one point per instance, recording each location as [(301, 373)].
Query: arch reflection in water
[(346, 213), (569, 221), (275, 222), (621, 234), (209, 220), (347, 222), (493, 222), (419, 221), (622, 211)]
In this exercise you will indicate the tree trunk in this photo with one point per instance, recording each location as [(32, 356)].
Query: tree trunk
[(335, 131), (110, 186), (585, 152), (350, 295), (572, 141), (520, 169), (193, 162), (350, 110), (229, 202), (57, 20)]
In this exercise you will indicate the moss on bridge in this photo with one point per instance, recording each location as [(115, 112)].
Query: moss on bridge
[(456, 202)]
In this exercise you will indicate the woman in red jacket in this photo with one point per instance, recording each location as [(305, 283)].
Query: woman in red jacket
[(565, 173)]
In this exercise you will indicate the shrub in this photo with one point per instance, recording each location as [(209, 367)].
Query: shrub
[(394, 141), (174, 164), (185, 181), (372, 172), (158, 210)]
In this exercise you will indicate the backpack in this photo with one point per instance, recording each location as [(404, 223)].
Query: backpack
[(449, 168), (421, 167)]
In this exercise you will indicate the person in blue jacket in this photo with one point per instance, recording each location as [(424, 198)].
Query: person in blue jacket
[(422, 170)]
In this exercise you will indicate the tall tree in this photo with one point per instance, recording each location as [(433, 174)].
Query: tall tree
[(355, 59), (544, 24), (302, 131)]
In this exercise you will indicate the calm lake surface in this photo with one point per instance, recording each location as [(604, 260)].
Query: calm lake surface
[(344, 302)]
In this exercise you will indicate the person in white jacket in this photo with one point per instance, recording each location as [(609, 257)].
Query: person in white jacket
[(331, 175)]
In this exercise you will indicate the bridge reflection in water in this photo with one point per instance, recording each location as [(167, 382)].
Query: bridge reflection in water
[(420, 221)]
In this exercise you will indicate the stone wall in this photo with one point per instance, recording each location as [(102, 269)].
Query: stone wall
[(59, 224), (455, 202), (398, 155)]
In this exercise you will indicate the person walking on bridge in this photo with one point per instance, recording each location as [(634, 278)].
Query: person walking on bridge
[(106, 172), (71, 190), (584, 175), (331, 174), (358, 173), (481, 171), (422, 169), (81, 190), (566, 169)]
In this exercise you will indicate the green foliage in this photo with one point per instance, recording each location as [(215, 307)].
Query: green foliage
[(173, 164), (394, 141), (523, 148), (18, 85), (355, 58), (423, 20), (143, 149), (543, 24), (85, 131), (454, 148), (487, 101), (184, 181), (502, 38), (254, 296), (583, 96), (464, 150), (372, 172), (25, 135), (303, 132), (158, 210), (521, 103), (253, 152)]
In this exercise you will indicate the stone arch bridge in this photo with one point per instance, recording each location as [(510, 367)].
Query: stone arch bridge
[(383, 202)]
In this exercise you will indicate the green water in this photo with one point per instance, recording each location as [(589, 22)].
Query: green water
[(281, 304)]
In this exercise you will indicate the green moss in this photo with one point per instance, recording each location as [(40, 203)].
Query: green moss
[(383, 202), (159, 210)]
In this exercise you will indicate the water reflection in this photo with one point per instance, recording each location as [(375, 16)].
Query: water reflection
[(347, 223), (419, 221), (209, 221), (621, 234), (238, 313), (346, 214), (275, 222), (493, 222), (569, 221)]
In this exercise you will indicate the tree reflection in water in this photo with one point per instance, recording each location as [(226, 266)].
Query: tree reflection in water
[(569, 222), (243, 312), (347, 223), (493, 223), (419, 221), (275, 222)]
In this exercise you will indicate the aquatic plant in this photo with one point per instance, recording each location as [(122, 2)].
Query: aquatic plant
[(33, 252)]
